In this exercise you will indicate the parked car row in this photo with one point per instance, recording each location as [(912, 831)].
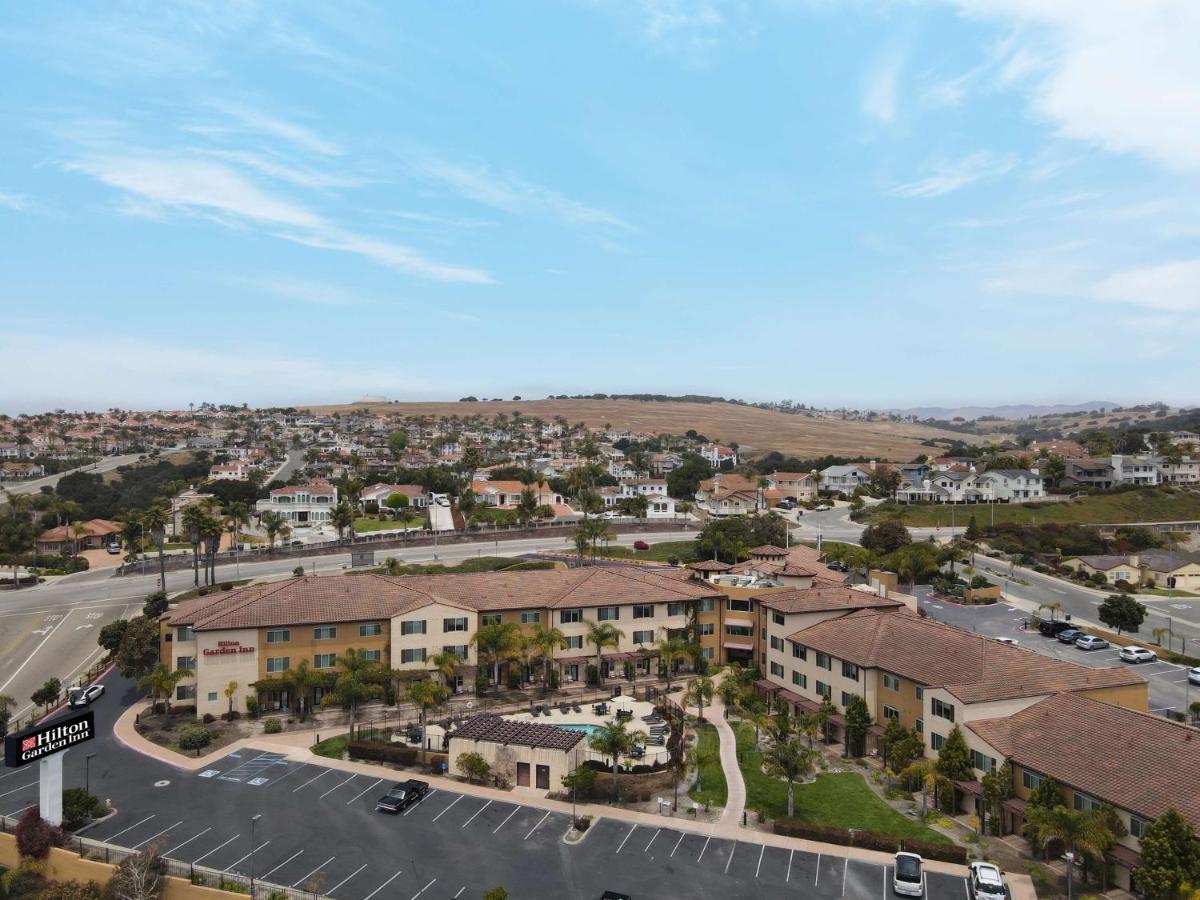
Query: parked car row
[(984, 880), (1067, 633)]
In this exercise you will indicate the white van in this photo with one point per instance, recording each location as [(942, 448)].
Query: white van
[(908, 876)]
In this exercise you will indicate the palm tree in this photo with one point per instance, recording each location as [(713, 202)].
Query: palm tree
[(615, 741), (230, 692), (161, 680), (699, 692), (273, 523), (670, 650), (731, 693), (237, 517), (77, 530), (351, 688), (789, 760), (809, 725), (193, 523), (300, 682), (426, 695), (211, 531), (757, 714), (493, 642), (601, 635), (546, 639), (131, 533), (1074, 829), (154, 523), (445, 664), (522, 651), (342, 518)]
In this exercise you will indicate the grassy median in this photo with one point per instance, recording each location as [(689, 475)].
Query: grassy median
[(712, 776)]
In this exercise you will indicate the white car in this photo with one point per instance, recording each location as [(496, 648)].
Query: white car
[(1133, 654), (1194, 675), (908, 875), (984, 882), (83, 696), (1007, 640)]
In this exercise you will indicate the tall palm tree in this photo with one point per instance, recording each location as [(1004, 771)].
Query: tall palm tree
[(352, 687), (493, 642), (699, 692), (546, 639), (671, 650), (192, 521), (614, 740), (601, 635), (1076, 830), (273, 523), (790, 760), (342, 518), (521, 651), (131, 534), (210, 532), (445, 664), (300, 682), (731, 694), (426, 695), (237, 517), (161, 681), (154, 523)]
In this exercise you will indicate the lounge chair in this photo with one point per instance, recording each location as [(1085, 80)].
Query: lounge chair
[(564, 708), (575, 706)]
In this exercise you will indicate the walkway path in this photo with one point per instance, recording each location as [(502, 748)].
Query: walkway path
[(735, 805)]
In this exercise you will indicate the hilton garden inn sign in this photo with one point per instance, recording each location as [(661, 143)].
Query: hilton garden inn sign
[(45, 744)]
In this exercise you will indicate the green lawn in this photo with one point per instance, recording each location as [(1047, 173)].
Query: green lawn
[(712, 776), (1149, 505), (843, 799), (660, 552), (364, 525), (331, 747)]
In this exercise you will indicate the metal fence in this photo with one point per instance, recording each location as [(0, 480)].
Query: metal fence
[(234, 882)]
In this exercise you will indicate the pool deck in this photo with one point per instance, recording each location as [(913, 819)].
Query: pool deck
[(585, 716)]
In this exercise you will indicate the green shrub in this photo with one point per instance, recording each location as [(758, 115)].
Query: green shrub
[(194, 737), (272, 725), (831, 834), (79, 806), (950, 853), (386, 753)]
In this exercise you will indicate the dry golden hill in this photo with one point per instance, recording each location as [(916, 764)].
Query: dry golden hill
[(755, 430)]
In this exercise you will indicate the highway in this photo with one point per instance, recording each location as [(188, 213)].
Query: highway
[(105, 464)]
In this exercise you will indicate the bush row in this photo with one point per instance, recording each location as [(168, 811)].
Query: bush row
[(871, 840), (386, 753)]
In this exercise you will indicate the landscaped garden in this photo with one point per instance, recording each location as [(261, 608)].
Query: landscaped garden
[(712, 789), (664, 551)]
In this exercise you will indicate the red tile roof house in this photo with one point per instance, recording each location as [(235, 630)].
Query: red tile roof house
[(417, 495), (65, 539)]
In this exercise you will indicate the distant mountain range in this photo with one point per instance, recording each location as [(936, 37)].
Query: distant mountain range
[(1011, 411)]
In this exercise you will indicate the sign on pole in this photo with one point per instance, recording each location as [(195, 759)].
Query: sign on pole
[(40, 741)]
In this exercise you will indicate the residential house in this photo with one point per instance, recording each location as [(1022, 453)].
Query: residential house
[(719, 457), (1171, 569), (843, 480), (1011, 485), (1065, 448), (799, 486), (1094, 473), (231, 471), (1185, 471), (1139, 470), (90, 535), (417, 496), (21, 471), (1113, 568), (507, 494), (728, 494), (302, 504)]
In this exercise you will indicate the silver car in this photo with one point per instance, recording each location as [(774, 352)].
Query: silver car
[(1091, 642), (1133, 654)]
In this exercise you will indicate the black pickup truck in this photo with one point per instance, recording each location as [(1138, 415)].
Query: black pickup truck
[(401, 795)]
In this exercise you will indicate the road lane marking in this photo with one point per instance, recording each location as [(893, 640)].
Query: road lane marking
[(477, 812), (677, 843), (266, 875), (160, 834), (758, 868), (505, 822), (627, 837), (363, 791), (537, 826), (420, 800), (301, 881), (113, 837), (460, 893), (817, 880), (215, 849), (233, 866), (17, 812), (188, 841), (789, 871), (382, 886), (332, 789), (423, 890), (656, 834), (448, 808), (299, 768), (344, 880), (30, 657), (18, 790), (845, 867), (324, 772)]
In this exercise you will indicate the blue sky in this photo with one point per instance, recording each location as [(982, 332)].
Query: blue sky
[(884, 203)]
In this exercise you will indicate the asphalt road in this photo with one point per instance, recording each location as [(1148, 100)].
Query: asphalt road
[(319, 830), (104, 464)]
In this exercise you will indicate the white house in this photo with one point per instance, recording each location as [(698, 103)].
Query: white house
[(1011, 484), (302, 504), (718, 456), (1139, 470), (232, 471), (843, 479), (644, 487), (796, 485), (417, 496)]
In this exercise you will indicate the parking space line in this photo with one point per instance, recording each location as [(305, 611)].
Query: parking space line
[(505, 822), (232, 866), (215, 849), (189, 840), (732, 850), (301, 881), (677, 843), (817, 880), (332, 789), (419, 802), (160, 834), (324, 772), (382, 886), (329, 893), (266, 875), (884, 877), (448, 808), (537, 826), (477, 812), (656, 834), (15, 813), (113, 837), (363, 791), (460, 892), (788, 880), (422, 890), (627, 837), (758, 868), (845, 868), (21, 788), (299, 768)]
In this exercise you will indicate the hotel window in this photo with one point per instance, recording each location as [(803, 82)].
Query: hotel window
[(777, 618), (575, 642), (982, 762), (188, 663), (678, 608), (1085, 802), (184, 633), (739, 631), (279, 636), (890, 712), (608, 614), (799, 651), (643, 637), (373, 655), (489, 619), (414, 627), (919, 726), (278, 664), (891, 682), (776, 670), (846, 695), (1137, 826), (324, 660), (412, 655), (920, 692), (372, 630), (530, 618), (824, 662), (850, 670), (1030, 780), (799, 679), (326, 633), (643, 611), (936, 740), (944, 710), (738, 605), (708, 652), (707, 628), (708, 604), (459, 650), (212, 696), (455, 624), (185, 692), (570, 616), (824, 690), (777, 644)]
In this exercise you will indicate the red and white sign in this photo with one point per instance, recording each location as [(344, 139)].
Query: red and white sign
[(224, 647)]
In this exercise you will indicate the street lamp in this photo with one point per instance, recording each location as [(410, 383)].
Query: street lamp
[(87, 780), (1070, 858), (253, 821)]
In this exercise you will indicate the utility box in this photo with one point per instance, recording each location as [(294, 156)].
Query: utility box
[(361, 558)]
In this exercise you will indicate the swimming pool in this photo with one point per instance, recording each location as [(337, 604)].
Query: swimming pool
[(588, 730)]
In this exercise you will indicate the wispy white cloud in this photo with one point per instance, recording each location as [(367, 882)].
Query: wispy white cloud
[(947, 177), (13, 201), (514, 195), (302, 176), (271, 126), (387, 253), (317, 293), (878, 101), (1170, 286)]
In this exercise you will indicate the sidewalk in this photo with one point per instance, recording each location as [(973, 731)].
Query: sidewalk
[(735, 803)]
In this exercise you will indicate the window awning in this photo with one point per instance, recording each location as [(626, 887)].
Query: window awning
[(970, 787), (1123, 856), (733, 645), (740, 623)]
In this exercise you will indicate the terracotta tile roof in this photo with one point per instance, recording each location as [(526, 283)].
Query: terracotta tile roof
[(315, 488), (823, 599), (494, 729), (710, 565), (95, 527), (1134, 760), (972, 667), (768, 550)]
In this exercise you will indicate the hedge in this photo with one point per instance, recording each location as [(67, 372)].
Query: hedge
[(831, 834), (950, 853), (386, 753)]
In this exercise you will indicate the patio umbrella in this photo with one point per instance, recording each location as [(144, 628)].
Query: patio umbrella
[(622, 702)]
